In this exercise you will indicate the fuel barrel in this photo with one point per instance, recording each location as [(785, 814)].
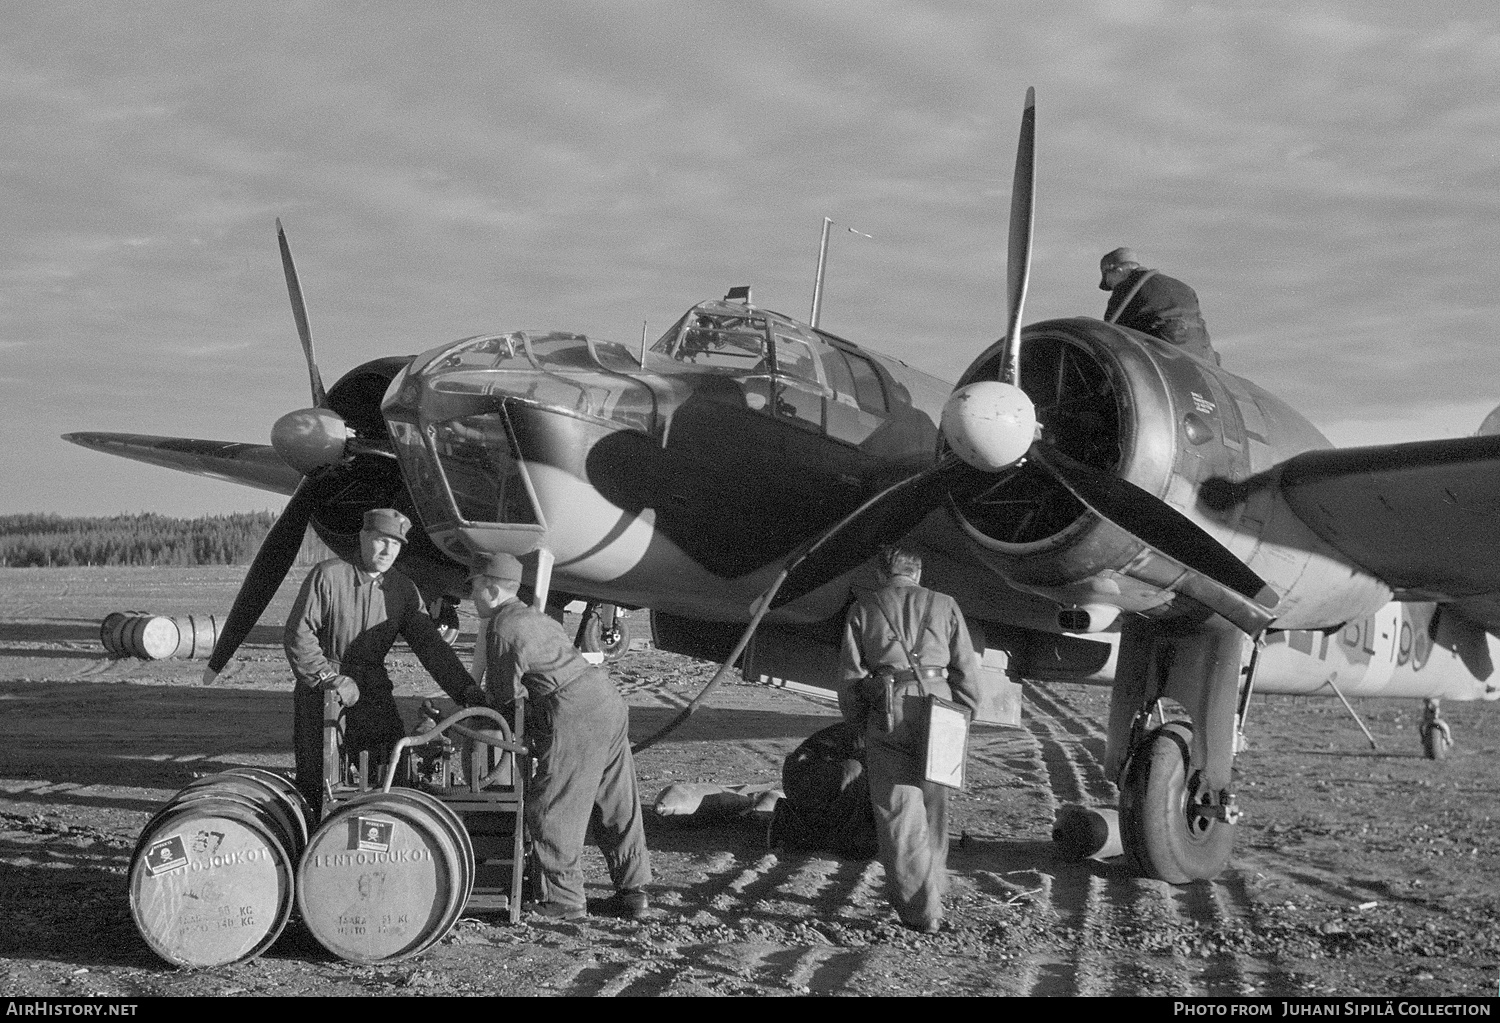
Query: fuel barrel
[(211, 876), (112, 631), (155, 638), (385, 876), (278, 802), (1082, 832), (196, 635)]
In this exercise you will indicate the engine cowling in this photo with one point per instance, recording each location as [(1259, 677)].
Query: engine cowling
[(1183, 430)]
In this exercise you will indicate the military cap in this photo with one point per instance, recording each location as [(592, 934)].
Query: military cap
[(500, 565), (387, 522)]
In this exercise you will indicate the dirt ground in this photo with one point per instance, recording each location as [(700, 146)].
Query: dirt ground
[(1358, 871)]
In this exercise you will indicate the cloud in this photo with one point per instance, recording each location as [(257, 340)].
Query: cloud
[(1323, 174)]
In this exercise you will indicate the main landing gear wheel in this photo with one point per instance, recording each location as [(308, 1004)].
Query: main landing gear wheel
[(611, 642), (447, 622), (1163, 834), (1437, 740)]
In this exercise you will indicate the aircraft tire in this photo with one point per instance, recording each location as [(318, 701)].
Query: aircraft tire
[(447, 622), (612, 645), (1159, 837), (1437, 740)]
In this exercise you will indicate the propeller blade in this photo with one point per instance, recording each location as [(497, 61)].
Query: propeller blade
[(271, 564), (1220, 580), (1018, 255), (299, 313), (883, 519)]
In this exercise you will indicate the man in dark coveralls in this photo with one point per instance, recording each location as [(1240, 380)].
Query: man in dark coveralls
[(343, 624), (1153, 303), (916, 638), (578, 729)]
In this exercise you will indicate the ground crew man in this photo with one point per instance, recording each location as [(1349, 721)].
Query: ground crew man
[(908, 642), (1153, 303), (577, 727), (342, 625)]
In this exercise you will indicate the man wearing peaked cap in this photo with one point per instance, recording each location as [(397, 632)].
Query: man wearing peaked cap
[(1153, 303), (902, 644), (579, 731), (345, 619), (387, 522), (501, 566)]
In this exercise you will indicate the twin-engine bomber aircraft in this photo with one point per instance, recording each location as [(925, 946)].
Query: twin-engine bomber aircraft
[(1082, 478)]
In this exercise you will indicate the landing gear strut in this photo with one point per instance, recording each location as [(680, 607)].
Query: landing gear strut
[(1178, 814), (1437, 738), (603, 630)]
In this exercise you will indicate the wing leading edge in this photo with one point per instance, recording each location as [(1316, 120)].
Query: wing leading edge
[(1422, 516), (253, 465)]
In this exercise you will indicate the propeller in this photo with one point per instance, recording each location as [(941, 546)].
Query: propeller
[(299, 313), (884, 518), (990, 427), (310, 441), (271, 564), (1018, 250)]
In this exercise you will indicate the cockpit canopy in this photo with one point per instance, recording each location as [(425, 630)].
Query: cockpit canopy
[(471, 419), (740, 338)]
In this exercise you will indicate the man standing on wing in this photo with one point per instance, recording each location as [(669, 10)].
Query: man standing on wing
[(342, 625), (1153, 303), (910, 643), (577, 727)]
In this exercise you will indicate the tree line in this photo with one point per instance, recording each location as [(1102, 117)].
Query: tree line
[(43, 541)]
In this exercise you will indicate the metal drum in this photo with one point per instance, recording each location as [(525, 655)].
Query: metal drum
[(156, 638), (112, 631), (210, 883), (211, 875), (286, 788), (284, 810), (385, 876), (196, 635), (151, 637)]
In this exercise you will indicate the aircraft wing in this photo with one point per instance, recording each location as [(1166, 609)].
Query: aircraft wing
[(1424, 516), (254, 465)]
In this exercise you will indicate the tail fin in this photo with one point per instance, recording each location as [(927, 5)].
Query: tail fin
[(1490, 426)]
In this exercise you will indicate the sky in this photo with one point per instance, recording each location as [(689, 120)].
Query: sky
[(1325, 175)]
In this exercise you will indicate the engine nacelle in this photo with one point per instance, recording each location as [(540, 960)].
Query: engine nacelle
[(1184, 431)]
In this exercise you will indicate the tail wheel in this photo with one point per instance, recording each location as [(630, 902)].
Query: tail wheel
[(611, 642), (1437, 740), (1163, 834)]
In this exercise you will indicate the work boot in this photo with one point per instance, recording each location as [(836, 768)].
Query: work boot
[(630, 903), (555, 910)]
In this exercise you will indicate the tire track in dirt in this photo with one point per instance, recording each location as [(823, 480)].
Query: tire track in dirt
[(1083, 911), (632, 685), (1101, 909), (606, 980), (777, 920)]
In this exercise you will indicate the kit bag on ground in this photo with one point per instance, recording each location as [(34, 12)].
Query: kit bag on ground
[(827, 802)]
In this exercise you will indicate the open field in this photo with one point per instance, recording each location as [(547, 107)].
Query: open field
[(1358, 871)]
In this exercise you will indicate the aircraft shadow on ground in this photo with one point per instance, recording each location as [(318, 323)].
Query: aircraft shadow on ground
[(162, 736), (132, 736), (77, 916), (712, 723)]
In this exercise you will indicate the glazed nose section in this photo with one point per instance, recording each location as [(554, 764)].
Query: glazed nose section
[(989, 424), (310, 438)]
